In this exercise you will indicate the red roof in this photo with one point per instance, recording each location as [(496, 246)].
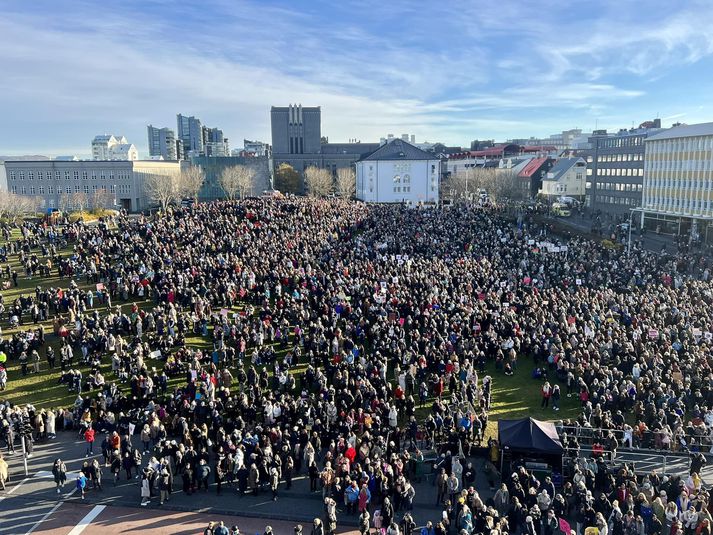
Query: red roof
[(531, 167)]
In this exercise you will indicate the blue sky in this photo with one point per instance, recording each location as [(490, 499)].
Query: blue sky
[(450, 71)]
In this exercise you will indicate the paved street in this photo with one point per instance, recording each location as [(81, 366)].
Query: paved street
[(651, 241), (31, 505)]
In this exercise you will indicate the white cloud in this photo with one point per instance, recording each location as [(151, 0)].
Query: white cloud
[(522, 69)]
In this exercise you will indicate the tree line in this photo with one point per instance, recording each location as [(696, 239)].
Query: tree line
[(317, 182)]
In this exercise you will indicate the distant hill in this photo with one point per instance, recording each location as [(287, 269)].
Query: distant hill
[(26, 157)]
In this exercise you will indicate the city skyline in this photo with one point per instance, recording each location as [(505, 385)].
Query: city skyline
[(459, 73)]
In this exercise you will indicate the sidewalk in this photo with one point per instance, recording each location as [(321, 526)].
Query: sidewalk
[(582, 224), (37, 492)]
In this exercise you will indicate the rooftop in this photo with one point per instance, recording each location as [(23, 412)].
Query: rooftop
[(348, 148), (399, 149), (561, 166), (532, 166), (685, 130)]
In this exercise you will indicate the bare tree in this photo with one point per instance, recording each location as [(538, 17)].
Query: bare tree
[(13, 206), (100, 199), (346, 182), (6, 202), (318, 182), (237, 181), (457, 186), (80, 200), (507, 185), (190, 182), (497, 183), (65, 202), (163, 189)]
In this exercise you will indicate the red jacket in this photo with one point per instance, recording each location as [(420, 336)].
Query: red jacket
[(89, 435)]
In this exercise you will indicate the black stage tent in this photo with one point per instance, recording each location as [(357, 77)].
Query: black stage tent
[(531, 442)]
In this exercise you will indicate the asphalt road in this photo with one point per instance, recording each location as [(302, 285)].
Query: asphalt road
[(32, 505)]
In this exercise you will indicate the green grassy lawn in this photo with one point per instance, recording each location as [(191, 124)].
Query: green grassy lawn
[(512, 397)]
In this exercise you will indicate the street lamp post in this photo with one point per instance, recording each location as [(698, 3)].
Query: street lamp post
[(628, 245)]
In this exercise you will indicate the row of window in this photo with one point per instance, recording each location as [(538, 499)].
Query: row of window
[(611, 199), (680, 165), (605, 158), (122, 175), (633, 141), (687, 184), (678, 205), (680, 145), (620, 172), (404, 189), (40, 190), (613, 186)]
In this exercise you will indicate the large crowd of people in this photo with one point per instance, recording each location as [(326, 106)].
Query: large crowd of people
[(346, 342)]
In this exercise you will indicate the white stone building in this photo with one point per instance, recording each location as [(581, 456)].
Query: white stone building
[(110, 147), (566, 178), (678, 181), (398, 172), (110, 183)]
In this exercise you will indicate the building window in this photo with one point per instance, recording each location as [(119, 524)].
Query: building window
[(102, 176), (94, 187), (66, 175), (22, 175), (76, 188), (12, 175), (57, 175), (397, 179), (86, 188), (50, 189), (32, 190), (112, 188), (42, 190), (31, 175), (40, 175), (407, 179), (52, 203), (76, 175), (94, 175), (69, 189), (85, 176), (14, 189)]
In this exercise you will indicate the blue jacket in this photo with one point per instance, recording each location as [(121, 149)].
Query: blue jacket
[(352, 494)]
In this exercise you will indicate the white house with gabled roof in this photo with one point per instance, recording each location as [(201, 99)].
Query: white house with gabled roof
[(398, 172)]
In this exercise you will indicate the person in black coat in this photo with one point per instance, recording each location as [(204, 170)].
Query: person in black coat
[(387, 513), (242, 477)]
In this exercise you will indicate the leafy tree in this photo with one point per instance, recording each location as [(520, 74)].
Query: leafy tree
[(287, 180)]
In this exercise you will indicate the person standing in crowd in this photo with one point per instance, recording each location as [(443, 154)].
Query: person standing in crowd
[(81, 484), (89, 439), (145, 489), (4, 473), (344, 309)]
